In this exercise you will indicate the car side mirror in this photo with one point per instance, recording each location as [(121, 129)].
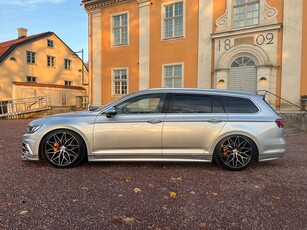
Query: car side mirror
[(110, 112), (92, 107)]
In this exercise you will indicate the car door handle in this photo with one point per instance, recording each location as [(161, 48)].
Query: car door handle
[(215, 120), (154, 121)]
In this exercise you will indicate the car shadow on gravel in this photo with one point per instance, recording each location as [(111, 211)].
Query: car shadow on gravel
[(155, 166)]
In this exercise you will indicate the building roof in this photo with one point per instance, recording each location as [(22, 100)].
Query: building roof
[(35, 84), (7, 47)]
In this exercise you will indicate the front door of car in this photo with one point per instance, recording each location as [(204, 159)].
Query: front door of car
[(135, 129), (192, 123)]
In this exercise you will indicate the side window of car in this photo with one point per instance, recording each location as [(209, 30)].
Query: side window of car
[(217, 106), (238, 105), (151, 103), (190, 103)]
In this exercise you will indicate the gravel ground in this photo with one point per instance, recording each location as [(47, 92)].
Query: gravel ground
[(33, 195)]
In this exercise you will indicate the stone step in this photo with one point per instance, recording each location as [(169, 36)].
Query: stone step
[(291, 130)]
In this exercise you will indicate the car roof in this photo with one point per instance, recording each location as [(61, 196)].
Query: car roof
[(199, 90)]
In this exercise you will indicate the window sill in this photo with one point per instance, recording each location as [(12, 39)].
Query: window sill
[(119, 45), (173, 39)]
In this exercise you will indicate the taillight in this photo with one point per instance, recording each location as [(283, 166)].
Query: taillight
[(279, 122)]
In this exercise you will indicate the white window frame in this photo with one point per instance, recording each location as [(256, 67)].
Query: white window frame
[(52, 61), (113, 44), (172, 65), (245, 5), (113, 81), (32, 56), (70, 64), (163, 19)]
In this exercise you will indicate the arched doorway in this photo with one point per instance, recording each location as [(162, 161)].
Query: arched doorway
[(243, 75)]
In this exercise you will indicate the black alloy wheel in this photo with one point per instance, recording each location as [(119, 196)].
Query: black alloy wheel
[(63, 148)]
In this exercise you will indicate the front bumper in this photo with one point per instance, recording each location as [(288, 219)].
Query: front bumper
[(28, 152)]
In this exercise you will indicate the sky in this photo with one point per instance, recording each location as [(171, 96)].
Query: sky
[(66, 18)]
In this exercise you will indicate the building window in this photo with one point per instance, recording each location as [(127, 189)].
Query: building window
[(120, 82), (245, 13), (173, 76), (50, 61), (173, 20), (50, 43), (120, 29), (13, 59), (31, 57), (67, 64), (31, 79), (67, 82)]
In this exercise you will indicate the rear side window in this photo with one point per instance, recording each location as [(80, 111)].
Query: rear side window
[(238, 105), (189, 103)]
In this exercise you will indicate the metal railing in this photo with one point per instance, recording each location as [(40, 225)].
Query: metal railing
[(285, 100), (14, 108)]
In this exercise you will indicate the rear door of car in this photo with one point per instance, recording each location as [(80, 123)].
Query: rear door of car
[(192, 123)]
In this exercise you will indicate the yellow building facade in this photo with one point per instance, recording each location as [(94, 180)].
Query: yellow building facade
[(244, 45), (42, 65)]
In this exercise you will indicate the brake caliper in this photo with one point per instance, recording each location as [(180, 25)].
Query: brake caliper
[(224, 151), (55, 147)]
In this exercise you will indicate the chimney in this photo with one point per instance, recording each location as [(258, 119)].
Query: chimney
[(22, 32)]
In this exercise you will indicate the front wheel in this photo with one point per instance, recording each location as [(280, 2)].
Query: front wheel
[(235, 152), (63, 148)]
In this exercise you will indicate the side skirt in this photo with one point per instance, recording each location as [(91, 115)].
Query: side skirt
[(151, 158)]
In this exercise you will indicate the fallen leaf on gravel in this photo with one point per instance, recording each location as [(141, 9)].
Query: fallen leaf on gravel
[(84, 188), (151, 185), (202, 225), (120, 195), (129, 219), (24, 212), (123, 219), (276, 197), (164, 207), (127, 179), (23, 201), (173, 195), (193, 193), (257, 186), (136, 190), (117, 219), (214, 193), (176, 178), (10, 204)]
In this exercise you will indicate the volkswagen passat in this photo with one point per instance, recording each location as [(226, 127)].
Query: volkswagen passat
[(195, 125)]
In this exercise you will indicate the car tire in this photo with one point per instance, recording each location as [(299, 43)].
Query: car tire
[(63, 148), (235, 152)]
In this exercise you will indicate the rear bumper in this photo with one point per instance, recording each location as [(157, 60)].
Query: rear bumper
[(270, 157), (274, 151)]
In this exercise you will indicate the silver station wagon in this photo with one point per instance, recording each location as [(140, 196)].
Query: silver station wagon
[(232, 129)]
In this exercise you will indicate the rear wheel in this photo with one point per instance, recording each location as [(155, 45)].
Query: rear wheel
[(235, 152), (63, 148)]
